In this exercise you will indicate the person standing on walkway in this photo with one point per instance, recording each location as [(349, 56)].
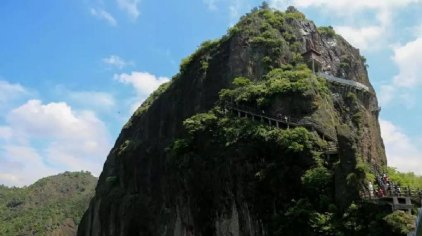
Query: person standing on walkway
[(398, 190), (371, 189), (420, 196)]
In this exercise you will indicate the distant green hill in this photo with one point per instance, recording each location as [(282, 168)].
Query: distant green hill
[(52, 206)]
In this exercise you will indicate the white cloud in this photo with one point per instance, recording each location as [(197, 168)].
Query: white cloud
[(402, 151), (36, 119), (361, 37), (351, 5), (97, 101), (51, 138), (22, 165), (8, 179), (116, 61), (58, 120), (235, 8), (417, 30), (143, 82), (409, 60), (5, 132), (211, 4), (372, 35), (130, 6), (104, 15), (387, 94), (408, 99), (10, 91), (93, 99)]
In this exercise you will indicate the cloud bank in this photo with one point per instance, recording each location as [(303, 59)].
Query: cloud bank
[(402, 151), (40, 139)]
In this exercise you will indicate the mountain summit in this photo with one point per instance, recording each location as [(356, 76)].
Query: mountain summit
[(271, 130)]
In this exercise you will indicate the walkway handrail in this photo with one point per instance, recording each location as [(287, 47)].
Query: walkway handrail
[(352, 83), (412, 194), (404, 192), (289, 121)]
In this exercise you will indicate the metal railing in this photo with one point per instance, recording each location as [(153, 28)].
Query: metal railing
[(287, 121), (352, 83)]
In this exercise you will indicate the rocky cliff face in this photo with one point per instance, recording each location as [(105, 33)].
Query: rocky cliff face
[(217, 174)]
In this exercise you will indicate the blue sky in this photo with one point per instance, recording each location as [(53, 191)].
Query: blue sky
[(72, 72)]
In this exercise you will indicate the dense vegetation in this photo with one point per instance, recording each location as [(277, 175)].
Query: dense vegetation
[(43, 207), (408, 179), (295, 82), (327, 31)]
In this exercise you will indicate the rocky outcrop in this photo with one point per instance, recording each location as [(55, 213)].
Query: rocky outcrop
[(142, 192)]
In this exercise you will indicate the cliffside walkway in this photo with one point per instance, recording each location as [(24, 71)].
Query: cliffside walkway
[(402, 201), (350, 85), (287, 121), (345, 82), (284, 121), (405, 199)]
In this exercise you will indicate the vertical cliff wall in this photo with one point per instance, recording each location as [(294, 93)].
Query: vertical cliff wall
[(166, 178)]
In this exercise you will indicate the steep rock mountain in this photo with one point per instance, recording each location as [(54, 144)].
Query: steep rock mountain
[(209, 154), (52, 206)]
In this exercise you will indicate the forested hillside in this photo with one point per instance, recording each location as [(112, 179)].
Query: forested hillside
[(51, 206)]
